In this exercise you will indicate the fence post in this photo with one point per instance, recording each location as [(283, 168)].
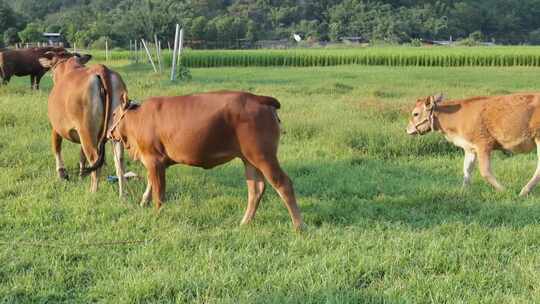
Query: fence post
[(106, 50), (149, 55), (175, 52), (180, 45), (158, 52)]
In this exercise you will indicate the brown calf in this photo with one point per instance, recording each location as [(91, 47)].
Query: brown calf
[(25, 62), (207, 130), (79, 108), (480, 125)]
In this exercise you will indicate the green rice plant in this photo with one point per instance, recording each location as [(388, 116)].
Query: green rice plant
[(376, 56)]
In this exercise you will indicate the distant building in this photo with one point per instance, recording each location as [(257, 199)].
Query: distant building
[(54, 38), (354, 39)]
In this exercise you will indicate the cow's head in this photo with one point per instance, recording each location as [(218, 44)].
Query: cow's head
[(83, 58), (421, 121), (56, 60), (51, 59), (117, 131)]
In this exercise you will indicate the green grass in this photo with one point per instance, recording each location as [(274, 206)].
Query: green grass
[(387, 219), (378, 56)]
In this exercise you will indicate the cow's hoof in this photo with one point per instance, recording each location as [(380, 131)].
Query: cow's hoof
[(301, 228), (62, 174), (524, 192)]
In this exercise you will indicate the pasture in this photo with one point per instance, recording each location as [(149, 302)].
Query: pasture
[(387, 219)]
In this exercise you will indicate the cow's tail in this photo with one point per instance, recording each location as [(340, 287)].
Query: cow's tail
[(272, 102), (269, 101), (106, 93)]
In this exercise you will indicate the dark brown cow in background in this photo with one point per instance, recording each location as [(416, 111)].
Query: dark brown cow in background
[(24, 62), (207, 130), (79, 109)]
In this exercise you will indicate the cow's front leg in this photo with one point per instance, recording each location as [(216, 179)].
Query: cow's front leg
[(484, 158), (156, 177), (468, 167), (146, 198)]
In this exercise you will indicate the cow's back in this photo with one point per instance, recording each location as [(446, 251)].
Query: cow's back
[(199, 129)]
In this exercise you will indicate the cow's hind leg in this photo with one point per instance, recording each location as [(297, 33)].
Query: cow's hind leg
[(91, 153), (256, 185), (118, 153), (56, 141), (484, 158), (82, 162), (536, 177), (283, 185)]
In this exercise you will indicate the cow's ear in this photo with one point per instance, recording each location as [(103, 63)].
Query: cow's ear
[(83, 59), (432, 101), (438, 98), (428, 102), (46, 62)]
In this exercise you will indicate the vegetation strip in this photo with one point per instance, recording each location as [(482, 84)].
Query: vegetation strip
[(370, 56)]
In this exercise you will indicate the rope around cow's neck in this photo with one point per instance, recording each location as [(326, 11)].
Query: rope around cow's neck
[(430, 119), (117, 122)]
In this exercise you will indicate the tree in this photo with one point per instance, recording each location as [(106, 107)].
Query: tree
[(10, 36), (8, 18), (32, 33)]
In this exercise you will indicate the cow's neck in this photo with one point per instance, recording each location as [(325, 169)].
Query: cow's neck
[(128, 129), (446, 120)]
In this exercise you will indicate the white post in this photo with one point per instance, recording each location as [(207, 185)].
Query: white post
[(175, 52), (180, 45), (74, 47), (136, 53), (106, 50), (158, 52), (149, 55)]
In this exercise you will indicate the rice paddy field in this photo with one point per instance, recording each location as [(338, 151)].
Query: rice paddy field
[(383, 56), (387, 219)]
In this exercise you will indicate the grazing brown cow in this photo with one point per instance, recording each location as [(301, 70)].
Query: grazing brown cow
[(207, 130), (480, 125), (79, 108), (25, 62)]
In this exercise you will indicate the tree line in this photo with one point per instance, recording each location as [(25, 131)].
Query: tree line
[(90, 22)]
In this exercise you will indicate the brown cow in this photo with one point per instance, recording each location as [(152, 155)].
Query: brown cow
[(480, 125), (207, 130), (25, 62), (79, 108)]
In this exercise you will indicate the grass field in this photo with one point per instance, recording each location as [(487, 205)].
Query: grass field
[(387, 219)]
